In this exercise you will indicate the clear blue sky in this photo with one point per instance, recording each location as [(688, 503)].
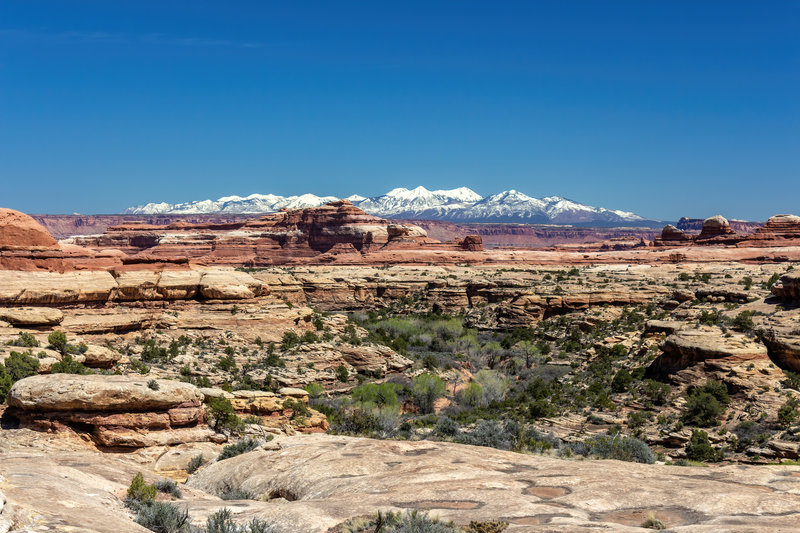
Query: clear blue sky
[(666, 108)]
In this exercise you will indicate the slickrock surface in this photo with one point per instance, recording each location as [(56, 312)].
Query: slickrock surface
[(349, 477)]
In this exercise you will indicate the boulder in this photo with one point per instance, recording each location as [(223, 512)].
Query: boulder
[(229, 285), (687, 347), (787, 288), (100, 356), (32, 316), (68, 392)]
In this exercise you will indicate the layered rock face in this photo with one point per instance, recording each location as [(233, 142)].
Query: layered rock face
[(687, 347), (672, 236), (780, 230), (787, 288), (115, 411), (278, 238), (26, 245)]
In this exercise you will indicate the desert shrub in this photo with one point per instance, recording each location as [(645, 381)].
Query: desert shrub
[(162, 517), (68, 365), (223, 414), (24, 340), (298, 408), (495, 526), (651, 522), (427, 388), (314, 390), (409, 522), (699, 448), (622, 381), (788, 413), (20, 365), (222, 522), (373, 395), (58, 341), (167, 486), (141, 491), (749, 433), (446, 427), (743, 321), (613, 447), (289, 340), (153, 385), (792, 380), (362, 422), (655, 391), (309, 337), (472, 395), (226, 363), (237, 494), (342, 374), (705, 404), (196, 462), (493, 385), (489, 433), (232, 450)]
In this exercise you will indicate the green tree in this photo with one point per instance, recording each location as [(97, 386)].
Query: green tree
[(699, 448), (58, 340), (223, 414), (427, 388)]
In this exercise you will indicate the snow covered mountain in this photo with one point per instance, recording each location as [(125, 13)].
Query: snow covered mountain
[(461, 204)]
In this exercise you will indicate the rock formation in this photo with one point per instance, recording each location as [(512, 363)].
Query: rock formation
[(277, 238), (26, 245), (787, 288), (779, 230), (115, 411), (672, 236), (687, 347)]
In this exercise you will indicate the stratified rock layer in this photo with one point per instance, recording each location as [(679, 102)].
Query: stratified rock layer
[(118, 411)]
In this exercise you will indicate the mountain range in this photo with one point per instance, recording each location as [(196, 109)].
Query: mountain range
[(461, 204)]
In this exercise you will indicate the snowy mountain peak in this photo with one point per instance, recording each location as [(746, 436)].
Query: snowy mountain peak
[(460, 204)]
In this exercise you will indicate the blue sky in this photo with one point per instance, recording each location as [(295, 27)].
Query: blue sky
[(665, 108)]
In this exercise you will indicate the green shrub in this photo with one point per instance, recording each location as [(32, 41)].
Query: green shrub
[(153, 385), (140, 491), (699, 448), (58, 341), (788, 413), (427, 388), (68, 365), (167, 486), (622, 381), (706, 404), (613, 447), (223, 414), (222, 522), (792, 380), (196, 462), (342, 374), (20, 365), (290, 339), (24, 340), (162, 517), (243, 446)]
